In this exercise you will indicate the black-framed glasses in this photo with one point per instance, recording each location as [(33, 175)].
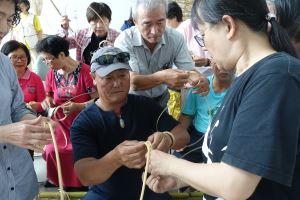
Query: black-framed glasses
[(108, 59), (200, 40)]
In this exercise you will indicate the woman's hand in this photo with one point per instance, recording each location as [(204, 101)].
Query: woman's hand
[(199, 83), (200, 61), (160, 163), (29, 134), (33, 105), (70, 107), (48, 103), (161, 184)]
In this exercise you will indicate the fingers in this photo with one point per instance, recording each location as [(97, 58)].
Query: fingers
[(199, 83), (132, 154), (68, 107), (160, 141), (37, 145), (201, 88), (152, 182), (39, 121)]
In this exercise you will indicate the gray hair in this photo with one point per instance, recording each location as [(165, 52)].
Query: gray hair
[(148, 5)]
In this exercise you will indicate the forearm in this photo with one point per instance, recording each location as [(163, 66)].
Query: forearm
[(185, 120), (216, 179), (4, 131), (181, 135), (93, 171), (144, 82), (81, 106)]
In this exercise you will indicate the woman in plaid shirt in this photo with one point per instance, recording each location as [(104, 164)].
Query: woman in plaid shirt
[(86, 41)]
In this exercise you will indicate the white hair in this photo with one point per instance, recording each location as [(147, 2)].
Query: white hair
[(148, 5)]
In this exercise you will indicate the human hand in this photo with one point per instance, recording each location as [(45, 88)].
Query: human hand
[(33, 105), (160, 163), (175, 78), (131, 154), (70, 107), (48, 103), (29, 134), (161, 184), (200, 61), (160, 141), (199, 82)]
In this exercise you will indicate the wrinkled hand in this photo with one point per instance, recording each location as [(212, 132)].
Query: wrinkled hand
[(48, 103), (70, 107), (175, 78), (160, 163), (131, 154), (199, 83), (199, 61), (161, 184), (160, 141), (29, 134), (33, 105)]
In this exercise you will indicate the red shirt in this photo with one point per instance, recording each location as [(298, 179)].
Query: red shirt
[(33, 88)]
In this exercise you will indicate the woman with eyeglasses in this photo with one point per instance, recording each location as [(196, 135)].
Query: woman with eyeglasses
[(69, 87), (31, 84), (252, 146)]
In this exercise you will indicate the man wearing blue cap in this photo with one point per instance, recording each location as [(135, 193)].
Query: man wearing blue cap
[(108, 136)]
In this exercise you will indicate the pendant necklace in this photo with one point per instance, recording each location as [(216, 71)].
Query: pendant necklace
[(122, 123)]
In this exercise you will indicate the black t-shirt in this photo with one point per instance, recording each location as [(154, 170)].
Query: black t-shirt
[(91, 48), (95, 132), (257, 127)]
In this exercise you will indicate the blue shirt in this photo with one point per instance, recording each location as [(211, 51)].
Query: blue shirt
[(257, 127), (95, 132), (127, 24), (18, 179), (203, 108)]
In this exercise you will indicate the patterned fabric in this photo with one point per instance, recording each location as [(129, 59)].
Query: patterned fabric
[(82, 38), (77, 83)]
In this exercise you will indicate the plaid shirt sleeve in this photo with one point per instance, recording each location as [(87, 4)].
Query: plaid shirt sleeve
[(112, 35)]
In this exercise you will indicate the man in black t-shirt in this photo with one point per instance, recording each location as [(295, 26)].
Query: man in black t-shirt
[(108, 136)]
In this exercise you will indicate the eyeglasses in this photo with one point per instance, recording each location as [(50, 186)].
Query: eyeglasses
[(200, 40), (16, 58), (108, 59)]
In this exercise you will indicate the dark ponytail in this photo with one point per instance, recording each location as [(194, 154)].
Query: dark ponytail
[(280, 39), (288, 15), (253, 13)]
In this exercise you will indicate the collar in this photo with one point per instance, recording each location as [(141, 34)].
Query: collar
[(26, 75)]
